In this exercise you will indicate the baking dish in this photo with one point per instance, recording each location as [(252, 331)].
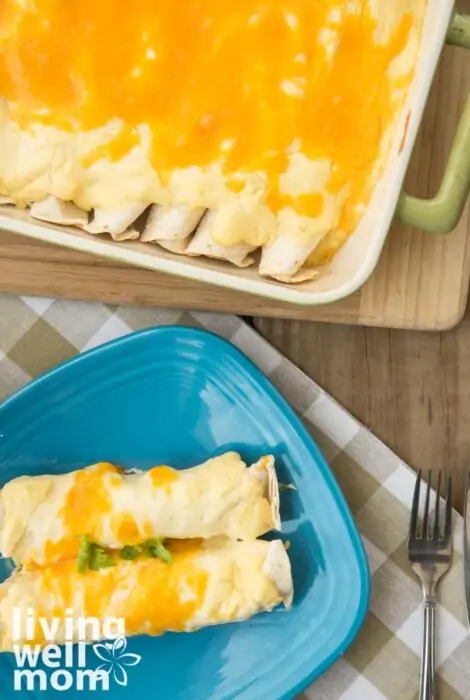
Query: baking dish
[(356, 260)]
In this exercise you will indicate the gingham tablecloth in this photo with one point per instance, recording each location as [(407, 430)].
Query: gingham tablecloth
[(36, 334)]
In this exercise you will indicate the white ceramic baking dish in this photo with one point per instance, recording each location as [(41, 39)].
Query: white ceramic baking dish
[(356, 260)]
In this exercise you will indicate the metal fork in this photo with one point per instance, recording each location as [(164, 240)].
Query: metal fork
[(430, 555)]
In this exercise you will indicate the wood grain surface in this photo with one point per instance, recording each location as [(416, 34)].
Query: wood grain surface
[(411, 389), (421, 281)]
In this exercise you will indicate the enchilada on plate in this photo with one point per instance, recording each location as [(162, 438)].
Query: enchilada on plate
[(161, 129), (43, 518), (206, 583)]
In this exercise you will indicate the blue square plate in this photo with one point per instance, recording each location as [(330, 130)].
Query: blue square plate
[(179, 396)]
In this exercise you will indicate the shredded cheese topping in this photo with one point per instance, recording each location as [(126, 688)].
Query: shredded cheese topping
[(245, 84)]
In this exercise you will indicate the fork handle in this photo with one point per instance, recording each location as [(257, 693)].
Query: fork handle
[(428, 662)]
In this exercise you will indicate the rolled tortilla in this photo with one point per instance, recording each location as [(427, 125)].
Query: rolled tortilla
[(45, 516), (284, 257), (203, 243), (55, 211), (171, 223), (6, 200), (178, 247), (117, 222), (206, 583)]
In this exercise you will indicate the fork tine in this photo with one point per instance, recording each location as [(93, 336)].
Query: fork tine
[(448, 521), (415, 507), (436, 534), (430, 557), (426, 507)]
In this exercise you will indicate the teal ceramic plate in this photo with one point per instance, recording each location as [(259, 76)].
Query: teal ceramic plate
[(179, 396)]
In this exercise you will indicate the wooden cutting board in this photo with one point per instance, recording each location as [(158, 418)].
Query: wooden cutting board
[(421, 281)]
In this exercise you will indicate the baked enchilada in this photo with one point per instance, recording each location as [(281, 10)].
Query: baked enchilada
[(246, 132), (206, 583), (44, 518)]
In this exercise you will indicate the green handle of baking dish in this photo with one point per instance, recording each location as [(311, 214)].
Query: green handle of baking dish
[(443, 213)]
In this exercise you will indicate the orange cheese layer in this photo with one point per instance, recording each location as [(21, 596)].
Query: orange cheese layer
[(157, 595), (86, 503), (162, 477), (236, 82), (88, 507)]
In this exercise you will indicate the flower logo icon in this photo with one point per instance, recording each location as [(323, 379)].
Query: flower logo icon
[(116, 659)]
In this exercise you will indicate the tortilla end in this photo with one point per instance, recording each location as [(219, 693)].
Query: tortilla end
[(178, 247), (116, 222), (264, 469), (95, 230), (53, 210), (242, 263), (130, 234), (273, 493), (303, 275), (175, 223), (277, 567)]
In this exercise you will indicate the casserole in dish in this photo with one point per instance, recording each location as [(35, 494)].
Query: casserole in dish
[(297, 199)]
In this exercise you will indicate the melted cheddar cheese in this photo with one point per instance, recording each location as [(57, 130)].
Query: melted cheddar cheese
[(153, 597), (154, 602), (205, 584), (219, 97), (163, 477), (89, 505), (114, 508)]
